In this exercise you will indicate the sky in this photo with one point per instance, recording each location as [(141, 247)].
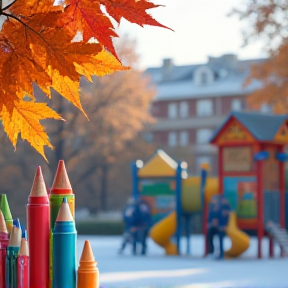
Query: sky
[(202, 28)]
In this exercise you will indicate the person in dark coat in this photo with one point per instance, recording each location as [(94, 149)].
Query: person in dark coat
[(144, 224), (130, 218), (213, 223), (224, 214)]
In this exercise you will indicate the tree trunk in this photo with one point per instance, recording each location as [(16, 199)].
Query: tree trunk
[(104, 181)]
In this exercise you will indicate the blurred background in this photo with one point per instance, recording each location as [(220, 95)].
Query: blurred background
[(223, 56)]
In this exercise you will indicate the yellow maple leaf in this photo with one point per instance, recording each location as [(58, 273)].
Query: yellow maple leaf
[(25, 119)]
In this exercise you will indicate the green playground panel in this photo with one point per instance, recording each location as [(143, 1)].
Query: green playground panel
[(151, 189)]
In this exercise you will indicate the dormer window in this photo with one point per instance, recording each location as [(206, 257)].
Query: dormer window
[(203, 75), (204, 78)]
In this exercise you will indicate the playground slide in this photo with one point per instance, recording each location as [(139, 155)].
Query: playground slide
[(240, 240), (162, 232)]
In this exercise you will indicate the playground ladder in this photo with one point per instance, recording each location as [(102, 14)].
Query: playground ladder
[(279, 234)]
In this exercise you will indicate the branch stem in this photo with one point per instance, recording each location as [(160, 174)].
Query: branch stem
[(8, 6), (24, 24)]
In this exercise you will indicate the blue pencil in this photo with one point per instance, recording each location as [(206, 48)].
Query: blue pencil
[(64, 249)]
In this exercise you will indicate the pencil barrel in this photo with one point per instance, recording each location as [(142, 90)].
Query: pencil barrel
[(23, 272), (64, 259), (55, 201), (11, 267), (38, 235), (88, 279), (3, 265), (55, 204)]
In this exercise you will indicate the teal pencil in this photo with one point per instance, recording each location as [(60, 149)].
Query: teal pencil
[(12, 254), (64, 249)]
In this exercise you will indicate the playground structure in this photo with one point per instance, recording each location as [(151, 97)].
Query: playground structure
[(251, 170), (251, 177), (172, 196)]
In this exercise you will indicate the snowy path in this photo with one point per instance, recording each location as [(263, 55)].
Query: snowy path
[(156, 270)]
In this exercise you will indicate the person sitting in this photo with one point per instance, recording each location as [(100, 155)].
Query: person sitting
[(213, 219), (224, 214)]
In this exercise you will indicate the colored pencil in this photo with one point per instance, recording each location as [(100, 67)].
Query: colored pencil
[(61, 187), (4, 206), (11, 257), (38, 232), (4, 239), (64, 249), (23, 264), (88, 274)]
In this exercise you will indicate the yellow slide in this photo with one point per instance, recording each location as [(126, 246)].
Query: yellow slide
[(162, 232), (240, 240)]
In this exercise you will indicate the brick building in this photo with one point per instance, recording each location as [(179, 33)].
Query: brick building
[(192, 101)]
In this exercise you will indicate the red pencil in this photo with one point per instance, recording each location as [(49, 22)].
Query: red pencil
[(23, 265), (4, 239), (38, 233)]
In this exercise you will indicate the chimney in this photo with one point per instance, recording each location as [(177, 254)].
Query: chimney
[(167, 68)]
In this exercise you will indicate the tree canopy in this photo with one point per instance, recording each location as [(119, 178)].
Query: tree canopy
[(267, 20)]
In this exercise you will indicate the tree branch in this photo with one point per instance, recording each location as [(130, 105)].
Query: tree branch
[(8, 6)]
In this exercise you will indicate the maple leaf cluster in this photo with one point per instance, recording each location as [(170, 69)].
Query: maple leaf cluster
[(53, 45)]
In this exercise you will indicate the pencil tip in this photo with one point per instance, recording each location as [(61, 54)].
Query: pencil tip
[(24, 250), (64, 214), (3, 227), (16, 223), (61, 180), (24, 234), (5, 208), (15, 237), (38, 188), (87, 253)]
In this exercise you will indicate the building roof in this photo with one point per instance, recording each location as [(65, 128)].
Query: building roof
[(177, 82), (262, 126)]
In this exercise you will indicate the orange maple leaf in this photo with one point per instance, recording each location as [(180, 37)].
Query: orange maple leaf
[(132, 10), (38, 45), (86, 17)]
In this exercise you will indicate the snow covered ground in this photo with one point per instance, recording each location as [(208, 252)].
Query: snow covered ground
[(159, 271)]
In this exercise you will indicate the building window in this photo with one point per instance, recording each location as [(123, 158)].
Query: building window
[(265, 108), (201, 160), (184, 109), (148, 136), (203, 136), (204, 108), (172, 110), (172, 139), (236, 105), (184, 138), (204, 78)]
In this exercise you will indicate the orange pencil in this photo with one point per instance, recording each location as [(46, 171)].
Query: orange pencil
[(88, 273)]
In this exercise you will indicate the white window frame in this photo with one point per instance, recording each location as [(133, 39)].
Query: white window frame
[(236, 105), (204, 108), (183, 109), (265, 108), (183, 138), (203, 135), (172, 112), (172, 139)]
